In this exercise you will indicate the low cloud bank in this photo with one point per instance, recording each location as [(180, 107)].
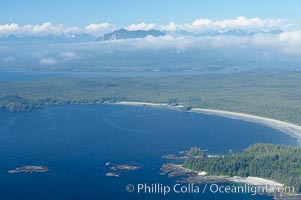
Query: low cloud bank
[(195, 27)]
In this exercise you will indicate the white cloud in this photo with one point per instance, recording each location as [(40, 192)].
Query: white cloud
[(98, 29), (162, 42), (197, 26), (38, 30), (286, 43), (48, 28), (8, 29), (141, 26), (267, 47), (238, 23), (243, 23), (68, 55), (44, 29), (292, 41), (8, 59), (47, 61), (171, 27)]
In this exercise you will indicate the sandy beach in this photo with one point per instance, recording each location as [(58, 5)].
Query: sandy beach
[(288, 128), (130, 103), (256, 181), (251, 180)]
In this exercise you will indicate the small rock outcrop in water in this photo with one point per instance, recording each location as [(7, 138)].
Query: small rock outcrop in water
[(114, 170), (29, 169), (112, 174)]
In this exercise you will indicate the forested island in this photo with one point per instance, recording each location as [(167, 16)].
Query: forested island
[(277, 162), (267, 94)]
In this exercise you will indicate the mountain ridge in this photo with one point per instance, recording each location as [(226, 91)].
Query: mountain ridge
[(126, 34)]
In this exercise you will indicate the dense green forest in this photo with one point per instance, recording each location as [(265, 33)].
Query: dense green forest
[(277, 162), (269, 94)]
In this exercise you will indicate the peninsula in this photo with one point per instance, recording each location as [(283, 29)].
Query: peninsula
[(275, 162)]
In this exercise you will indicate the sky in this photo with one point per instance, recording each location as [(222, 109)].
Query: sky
[(274, 26), (123, 13)]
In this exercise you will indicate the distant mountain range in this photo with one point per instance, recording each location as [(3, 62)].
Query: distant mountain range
[(229, 32), (126, 34)]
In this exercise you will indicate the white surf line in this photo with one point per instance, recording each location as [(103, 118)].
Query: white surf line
[(289, 128), (256, 181), (286, 127)]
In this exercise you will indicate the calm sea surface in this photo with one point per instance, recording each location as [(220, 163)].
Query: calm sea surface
[(76, 141)]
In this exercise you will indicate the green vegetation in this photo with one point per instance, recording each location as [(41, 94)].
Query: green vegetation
[(196, 152), (276, 95), (277, 162)]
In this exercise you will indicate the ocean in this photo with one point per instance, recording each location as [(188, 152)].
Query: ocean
[(76, 141)]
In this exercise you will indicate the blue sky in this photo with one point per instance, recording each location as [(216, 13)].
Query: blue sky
[(122, 13), (275, 24)]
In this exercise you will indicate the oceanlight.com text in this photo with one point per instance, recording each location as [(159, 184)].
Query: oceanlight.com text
[(190, 188)]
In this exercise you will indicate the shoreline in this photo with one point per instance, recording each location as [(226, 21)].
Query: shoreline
[(255, 181), (251, 180), (285, 127), (288, 128), (201, 177)]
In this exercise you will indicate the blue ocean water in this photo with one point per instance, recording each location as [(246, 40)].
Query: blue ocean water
[(76, 141)]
